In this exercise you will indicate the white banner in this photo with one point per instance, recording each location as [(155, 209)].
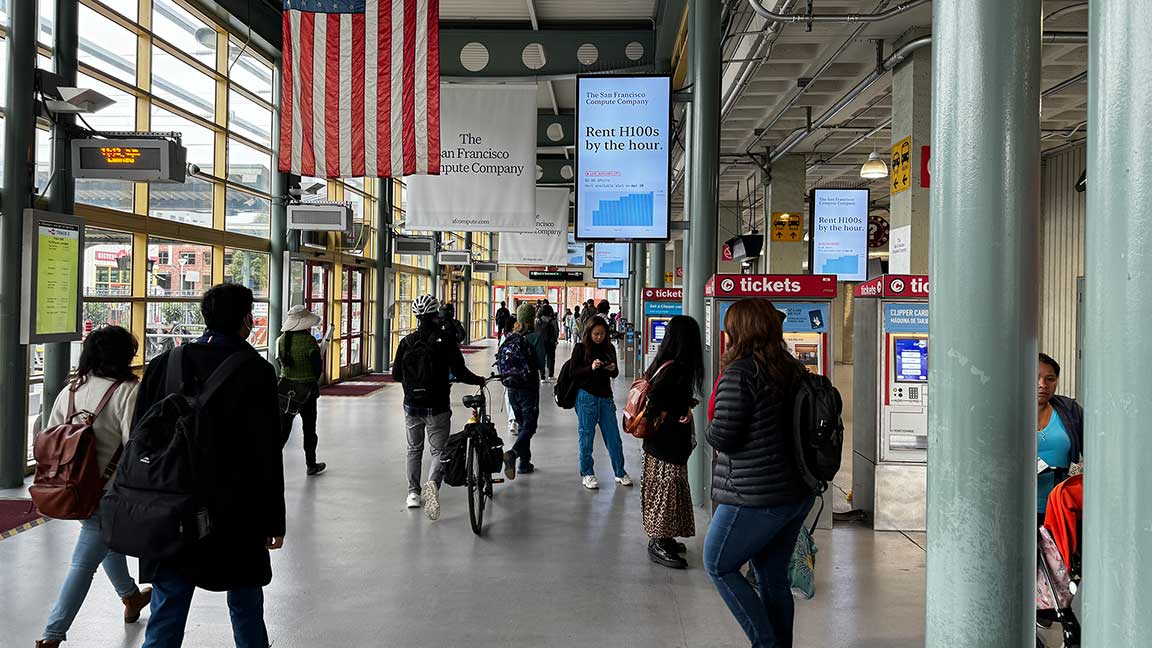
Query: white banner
[(487, 163), (548, 245)]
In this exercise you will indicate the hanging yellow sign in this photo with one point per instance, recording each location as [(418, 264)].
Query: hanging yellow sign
[(786, 227), (901, 171), (667, 278)]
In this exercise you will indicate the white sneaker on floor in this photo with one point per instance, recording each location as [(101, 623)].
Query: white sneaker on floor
[(590, 482), (413, 500), (431, 500), (624, 481)]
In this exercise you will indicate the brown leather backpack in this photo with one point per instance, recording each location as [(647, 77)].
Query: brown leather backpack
[(634, 420), (69, 480)]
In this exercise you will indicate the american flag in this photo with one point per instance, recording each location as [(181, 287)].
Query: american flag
[(360, 93)]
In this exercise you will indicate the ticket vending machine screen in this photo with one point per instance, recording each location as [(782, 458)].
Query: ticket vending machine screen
[(658, 328), (904, 418), (911, 359)]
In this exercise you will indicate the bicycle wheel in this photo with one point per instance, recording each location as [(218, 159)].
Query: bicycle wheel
[(475, 487)]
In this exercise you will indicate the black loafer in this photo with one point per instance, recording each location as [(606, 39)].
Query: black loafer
[(316, 469), (660, 554), (674, 546), (525, 468)]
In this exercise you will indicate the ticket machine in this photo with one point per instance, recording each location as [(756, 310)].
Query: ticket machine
[(660, 306), (890, 431), (806, 301)]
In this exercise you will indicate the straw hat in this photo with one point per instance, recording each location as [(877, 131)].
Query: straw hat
[(300, 318)]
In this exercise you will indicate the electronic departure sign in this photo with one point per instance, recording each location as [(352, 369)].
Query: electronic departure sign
[(140, 159)]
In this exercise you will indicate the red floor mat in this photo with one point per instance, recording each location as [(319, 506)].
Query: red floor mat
[(376, 378), (469, 350), (18, 515), (350, 389)]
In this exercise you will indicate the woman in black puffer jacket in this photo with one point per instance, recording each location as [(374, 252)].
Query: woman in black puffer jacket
[(762, 500)]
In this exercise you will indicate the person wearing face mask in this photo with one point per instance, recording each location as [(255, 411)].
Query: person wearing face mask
[(1059, 430)]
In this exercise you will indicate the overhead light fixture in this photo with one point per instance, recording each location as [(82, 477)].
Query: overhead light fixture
[(874, 168), (77, 100)]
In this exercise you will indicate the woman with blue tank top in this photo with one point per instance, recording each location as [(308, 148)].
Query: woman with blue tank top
[(1059, 430)]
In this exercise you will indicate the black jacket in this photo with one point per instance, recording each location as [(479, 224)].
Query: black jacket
[(548, 329), (247, 500), (502, 317), (1072, 416), (445, 354), (752, 435), (597, 382), (672, 392)]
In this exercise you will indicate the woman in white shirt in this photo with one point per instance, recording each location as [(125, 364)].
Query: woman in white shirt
[(105, 361)]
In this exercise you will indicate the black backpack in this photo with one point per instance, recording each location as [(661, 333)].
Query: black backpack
[(565, 390), (817, 430), (419, 368), (512, 361), (157, 508)]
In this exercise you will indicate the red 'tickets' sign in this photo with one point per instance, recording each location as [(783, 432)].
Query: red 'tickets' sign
[(663, 294), (737, 285), (894, 286)]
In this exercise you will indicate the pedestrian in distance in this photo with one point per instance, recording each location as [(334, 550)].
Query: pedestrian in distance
[(548, 330), (586, 316), (104, 373), (301, 366), (761, 497), (453, 329), (1059, 432), (239, 452), (593, 366), (676, 376), (502, 323), (423, 362), (519, 361), (571, 317)]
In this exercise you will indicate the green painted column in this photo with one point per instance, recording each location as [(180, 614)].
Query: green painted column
[(983, 323), (1117, 348), (62, 197), (466, 316), (703, 169), (19, 149), (383, 328), (278, 233), (656, 266), (639, 278)]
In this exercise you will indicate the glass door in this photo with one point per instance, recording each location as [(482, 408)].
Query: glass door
[(316, 289), (353, 310)]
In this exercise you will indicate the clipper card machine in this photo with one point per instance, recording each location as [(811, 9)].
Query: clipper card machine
[(660, 306), (890, 435)]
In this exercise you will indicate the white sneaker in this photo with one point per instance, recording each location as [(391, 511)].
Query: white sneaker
[(624, 481), (590, 482), (413, 500), (431, 500)]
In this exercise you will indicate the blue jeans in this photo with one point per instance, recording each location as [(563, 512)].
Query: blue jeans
[(90, 553), (767, 538), (591, 410), (171, 598), (525, 405)]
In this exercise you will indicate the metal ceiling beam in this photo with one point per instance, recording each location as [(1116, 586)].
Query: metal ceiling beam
[(505, 48), (551, 171)]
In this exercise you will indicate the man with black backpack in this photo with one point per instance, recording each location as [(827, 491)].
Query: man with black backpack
[(520, 360), (548, 328), (200, 492), (424, 359)]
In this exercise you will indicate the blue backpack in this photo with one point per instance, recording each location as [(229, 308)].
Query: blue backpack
[(512, 361)]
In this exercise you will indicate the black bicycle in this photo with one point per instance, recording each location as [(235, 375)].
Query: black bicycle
[(484, 455)]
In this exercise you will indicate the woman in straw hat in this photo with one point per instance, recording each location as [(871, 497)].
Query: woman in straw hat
[(301, 366)]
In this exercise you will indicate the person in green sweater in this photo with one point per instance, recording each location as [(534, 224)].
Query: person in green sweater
[(301, 365)]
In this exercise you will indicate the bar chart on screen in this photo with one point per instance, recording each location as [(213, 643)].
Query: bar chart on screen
[(621, 209)]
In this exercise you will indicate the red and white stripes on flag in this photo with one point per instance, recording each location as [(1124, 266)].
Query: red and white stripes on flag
[(360, 92)]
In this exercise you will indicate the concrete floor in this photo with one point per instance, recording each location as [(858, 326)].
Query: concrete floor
[(558, 566)]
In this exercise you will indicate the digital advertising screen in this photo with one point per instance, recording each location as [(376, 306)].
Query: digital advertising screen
[(610, 261), (839, 231), (911, 359), (623, 130), (607, 284), (576, 251)]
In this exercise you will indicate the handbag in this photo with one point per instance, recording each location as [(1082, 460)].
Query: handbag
[(802, 567), (293, 395)]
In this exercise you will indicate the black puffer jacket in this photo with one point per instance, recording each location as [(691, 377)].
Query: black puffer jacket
[(752, 435)]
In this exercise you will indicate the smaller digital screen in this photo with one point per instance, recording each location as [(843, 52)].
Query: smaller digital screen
[(606, 284), (911, 359), (120, 157), (610, 261)]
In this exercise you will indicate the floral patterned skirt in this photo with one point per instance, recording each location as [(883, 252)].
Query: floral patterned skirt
[(666, 500)]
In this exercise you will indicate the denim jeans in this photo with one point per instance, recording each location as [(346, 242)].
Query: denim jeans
[(525, 404), (90, 553), (590, 411), (171, 598), (767, 538), (436, 428)]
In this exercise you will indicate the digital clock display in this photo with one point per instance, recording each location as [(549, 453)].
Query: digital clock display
[(120, 157)]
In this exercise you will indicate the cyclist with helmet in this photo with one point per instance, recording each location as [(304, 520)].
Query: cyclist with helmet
[(424, 359)]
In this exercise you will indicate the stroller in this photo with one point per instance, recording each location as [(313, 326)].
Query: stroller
[(1058, 561)]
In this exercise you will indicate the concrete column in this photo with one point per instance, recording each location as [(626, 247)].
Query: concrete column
[(19, 149), (911, 117), (1117, 348), (640, 278), (675, 262), (983, 323), (704, 169), (58, 356), (656, 265), (785, 194)]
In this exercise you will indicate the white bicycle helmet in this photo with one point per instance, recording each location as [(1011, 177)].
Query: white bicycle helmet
[(425, 305)]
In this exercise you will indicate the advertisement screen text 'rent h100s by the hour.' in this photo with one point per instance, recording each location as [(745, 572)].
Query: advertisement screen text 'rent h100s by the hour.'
[(839, 233), (623, 129)]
